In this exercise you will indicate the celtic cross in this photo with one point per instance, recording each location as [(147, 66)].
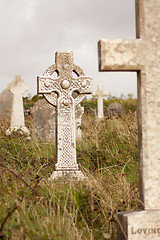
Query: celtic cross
[(65, 92)]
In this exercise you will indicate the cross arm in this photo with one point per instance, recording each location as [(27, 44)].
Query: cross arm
[(83, 84), (120, 55), (47, 84)]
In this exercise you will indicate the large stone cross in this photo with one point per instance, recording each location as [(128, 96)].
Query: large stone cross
[(142, 55), (65, 92), (100, 93)]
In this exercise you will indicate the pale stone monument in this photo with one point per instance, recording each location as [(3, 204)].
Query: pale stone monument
[(17, 87), (44, 120), (142, 55), (100, 93), (65, 92), (78, 118)]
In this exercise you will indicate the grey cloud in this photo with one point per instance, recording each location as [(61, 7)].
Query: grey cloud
[(33, 30)]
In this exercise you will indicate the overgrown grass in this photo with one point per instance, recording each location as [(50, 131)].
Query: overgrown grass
[(33, 208)]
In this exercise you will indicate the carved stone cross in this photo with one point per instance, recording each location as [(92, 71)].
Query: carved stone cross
[(142, 55), (100, 93), (65, 92)]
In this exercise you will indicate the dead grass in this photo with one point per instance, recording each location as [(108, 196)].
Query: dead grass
[(32, 208)]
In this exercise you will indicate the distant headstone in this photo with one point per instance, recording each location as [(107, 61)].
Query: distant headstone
[(78, 118), (142, 55), (59, 93), (100, 93), (17, 87), (44, 120), (6, 99), (115, 109)]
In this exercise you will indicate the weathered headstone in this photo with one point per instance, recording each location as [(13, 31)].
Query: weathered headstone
[(17, 87), (6, 99), (44, 120), (65, 92), (142, 55), (115, 109), (100, 93), (78, 118)]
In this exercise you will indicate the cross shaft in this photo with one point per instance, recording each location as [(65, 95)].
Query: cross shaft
[(142, 55)]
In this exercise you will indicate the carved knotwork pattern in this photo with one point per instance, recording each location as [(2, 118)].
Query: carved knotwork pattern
[(78, 85), (66, 157), (65, 68), (79, 99), (78, 70), (51, 97), (50, 70), (47, 85), (65, 117)]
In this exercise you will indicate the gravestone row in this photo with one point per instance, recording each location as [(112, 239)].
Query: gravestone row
[(44, 114)]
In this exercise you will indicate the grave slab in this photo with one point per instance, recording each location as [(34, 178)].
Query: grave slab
[(142, 55)]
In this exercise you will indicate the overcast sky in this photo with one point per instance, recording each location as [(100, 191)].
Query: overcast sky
[(33, 30)]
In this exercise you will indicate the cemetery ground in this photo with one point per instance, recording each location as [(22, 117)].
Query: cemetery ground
[(33, 208)]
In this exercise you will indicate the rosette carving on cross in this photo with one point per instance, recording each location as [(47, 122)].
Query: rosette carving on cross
[(67, 88)]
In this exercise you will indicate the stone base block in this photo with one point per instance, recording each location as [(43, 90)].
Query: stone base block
[(139, 225), (22, 130), (67, 175)]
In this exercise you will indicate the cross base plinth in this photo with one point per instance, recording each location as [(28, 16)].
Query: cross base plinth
[(139, 225), (22, 130), (67, 175)]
